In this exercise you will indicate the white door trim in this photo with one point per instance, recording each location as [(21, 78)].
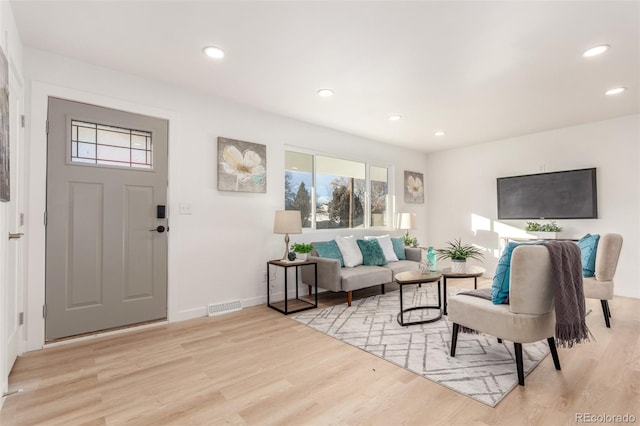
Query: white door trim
[(36, 152)]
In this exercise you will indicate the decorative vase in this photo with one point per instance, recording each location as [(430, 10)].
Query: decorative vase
[(458, 266), (291, 256), (301, 256), (431, 260)]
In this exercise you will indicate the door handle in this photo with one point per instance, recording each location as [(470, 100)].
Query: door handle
[(15, 236), (159, 229)]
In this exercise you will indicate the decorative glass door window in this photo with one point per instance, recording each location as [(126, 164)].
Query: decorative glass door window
[(94, 143)]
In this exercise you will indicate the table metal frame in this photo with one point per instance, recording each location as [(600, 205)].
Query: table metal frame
[(447, 274), (428, 278), (286, 265)]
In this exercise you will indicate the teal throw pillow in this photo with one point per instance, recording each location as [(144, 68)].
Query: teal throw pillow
[(588, 249), (329, 250), (500, 286), (398, 247), (372, 253)]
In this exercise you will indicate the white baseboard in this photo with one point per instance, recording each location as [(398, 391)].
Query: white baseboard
[(189, 314)]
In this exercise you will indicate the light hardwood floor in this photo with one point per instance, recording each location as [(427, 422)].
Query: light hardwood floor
[(259, 367)]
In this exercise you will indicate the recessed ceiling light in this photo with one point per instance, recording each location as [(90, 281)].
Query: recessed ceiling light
[(395, 117), (439, 133), (325, 93), (596, 50), (213, 52), (615, 90)]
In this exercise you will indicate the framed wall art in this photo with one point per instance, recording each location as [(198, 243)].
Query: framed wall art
[(413, 187), (5, 175), (242, 166)]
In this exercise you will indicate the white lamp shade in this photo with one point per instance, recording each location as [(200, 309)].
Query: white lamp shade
[(287, 222), (406, 221)]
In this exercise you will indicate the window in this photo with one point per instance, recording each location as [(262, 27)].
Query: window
[(335, 193), (298, 184), (379, 195), (94, 143)]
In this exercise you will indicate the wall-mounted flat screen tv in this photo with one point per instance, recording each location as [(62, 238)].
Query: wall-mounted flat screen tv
[(569, 194)]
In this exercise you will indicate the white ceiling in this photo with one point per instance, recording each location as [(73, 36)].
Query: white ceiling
[(478, 70)]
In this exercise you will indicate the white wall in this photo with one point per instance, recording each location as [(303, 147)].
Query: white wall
[(218, 253), (461, 194)]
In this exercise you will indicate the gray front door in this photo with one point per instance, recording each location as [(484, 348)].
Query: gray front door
[(106, 260)]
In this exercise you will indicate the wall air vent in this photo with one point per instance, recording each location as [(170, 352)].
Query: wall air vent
[(223, 308)]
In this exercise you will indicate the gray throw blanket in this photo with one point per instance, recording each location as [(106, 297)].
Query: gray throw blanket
[(566, 266), (568, 293)]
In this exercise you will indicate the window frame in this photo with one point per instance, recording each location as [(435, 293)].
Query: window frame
[(367, 221), (69, 143)]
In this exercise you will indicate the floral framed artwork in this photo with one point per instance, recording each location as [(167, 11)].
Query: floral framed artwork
[(242, 166), (413, 187)]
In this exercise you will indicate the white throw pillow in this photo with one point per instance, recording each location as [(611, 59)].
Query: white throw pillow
[(351, 253), (387, 247)]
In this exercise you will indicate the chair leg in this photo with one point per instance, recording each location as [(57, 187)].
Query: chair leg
[(349, 298), (606, 312), (554, 352), (454, 338), (519, 365)]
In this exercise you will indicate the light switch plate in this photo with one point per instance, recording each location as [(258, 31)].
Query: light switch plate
[(185, 208)]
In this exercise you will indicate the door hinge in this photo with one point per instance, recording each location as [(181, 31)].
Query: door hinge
[(21, 318), (21, 219), (44, 311), (46, 127), (22, 121), (45, 218)]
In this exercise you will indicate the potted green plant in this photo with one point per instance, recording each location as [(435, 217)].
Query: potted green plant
[(459, 253), (545, 231), (410, 241), (301, 250)]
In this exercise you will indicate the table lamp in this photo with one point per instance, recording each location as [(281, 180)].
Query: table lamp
[(287, 222), (406, 221)]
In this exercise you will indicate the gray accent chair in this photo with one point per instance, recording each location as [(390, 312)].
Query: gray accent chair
[(601, 285), (529, 316)]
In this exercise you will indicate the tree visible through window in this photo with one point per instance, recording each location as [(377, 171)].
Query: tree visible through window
[(298, 182), (346, 208), (338, 189)]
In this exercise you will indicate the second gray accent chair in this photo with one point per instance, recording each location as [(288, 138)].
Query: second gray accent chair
[(600, 286)]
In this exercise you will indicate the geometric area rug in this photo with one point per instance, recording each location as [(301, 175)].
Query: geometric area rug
[(482, 369)]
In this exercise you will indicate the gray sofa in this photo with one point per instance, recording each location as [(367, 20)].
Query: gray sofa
[(335, 278)]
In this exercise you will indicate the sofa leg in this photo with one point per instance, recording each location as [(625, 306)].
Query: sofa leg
[(499, 340), (606, 312), (382, 288), (554, 352), (349, 298), (519, 365), (454, 338)]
